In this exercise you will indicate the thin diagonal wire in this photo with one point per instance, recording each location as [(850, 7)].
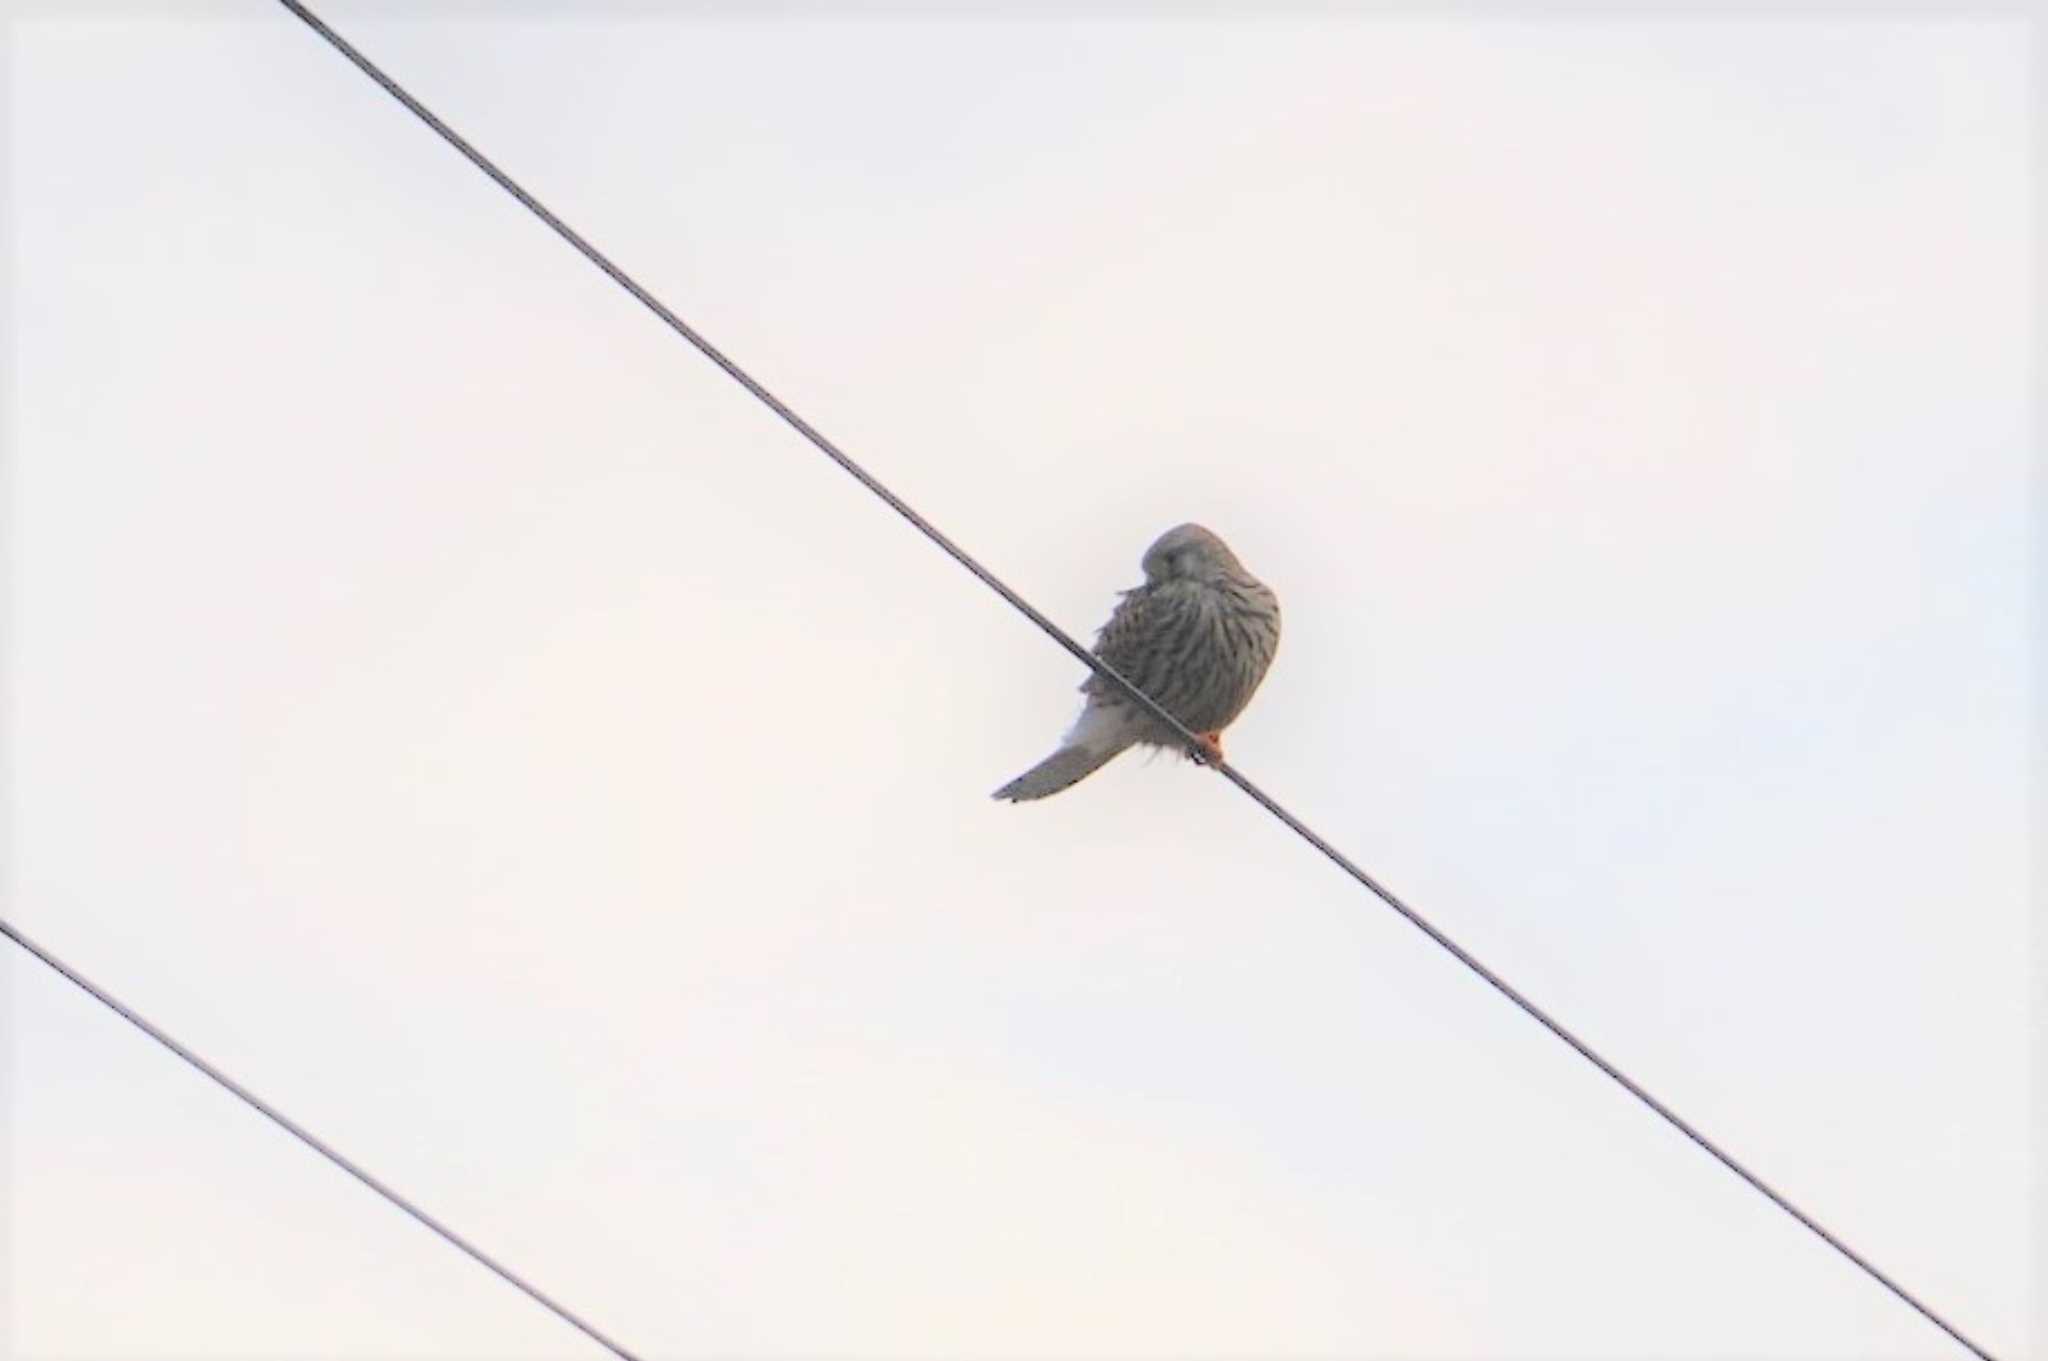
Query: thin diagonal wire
[(1060, 636), (313, 1141)]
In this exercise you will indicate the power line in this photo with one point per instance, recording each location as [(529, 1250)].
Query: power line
[(314, 1142), (1058, 635)]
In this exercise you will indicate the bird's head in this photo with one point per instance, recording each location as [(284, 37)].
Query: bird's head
[(1188, 552)]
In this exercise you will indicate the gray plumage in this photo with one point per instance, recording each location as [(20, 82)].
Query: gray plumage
[(1197, 637)]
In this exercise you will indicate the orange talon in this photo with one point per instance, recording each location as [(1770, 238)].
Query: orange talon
[(1212, 748)]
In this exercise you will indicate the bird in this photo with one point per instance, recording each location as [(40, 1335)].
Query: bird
[(1197, 637)]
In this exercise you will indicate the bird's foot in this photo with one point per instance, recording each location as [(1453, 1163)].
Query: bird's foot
[(1209, 748)]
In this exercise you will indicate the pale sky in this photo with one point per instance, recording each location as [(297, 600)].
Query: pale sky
[(444, 700)]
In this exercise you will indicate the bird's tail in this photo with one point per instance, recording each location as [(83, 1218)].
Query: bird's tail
[(1069, 765)]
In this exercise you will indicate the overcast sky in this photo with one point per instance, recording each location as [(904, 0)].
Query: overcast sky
[(451, 705)]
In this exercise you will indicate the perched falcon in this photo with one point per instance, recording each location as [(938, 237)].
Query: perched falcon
[(1197, 637)]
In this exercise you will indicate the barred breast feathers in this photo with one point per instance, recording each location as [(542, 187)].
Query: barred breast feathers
[(1199, 648)]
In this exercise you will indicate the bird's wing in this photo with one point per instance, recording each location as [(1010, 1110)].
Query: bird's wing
[(1137, 640)]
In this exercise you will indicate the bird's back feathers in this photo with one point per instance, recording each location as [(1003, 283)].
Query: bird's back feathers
[(1199, 648)]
